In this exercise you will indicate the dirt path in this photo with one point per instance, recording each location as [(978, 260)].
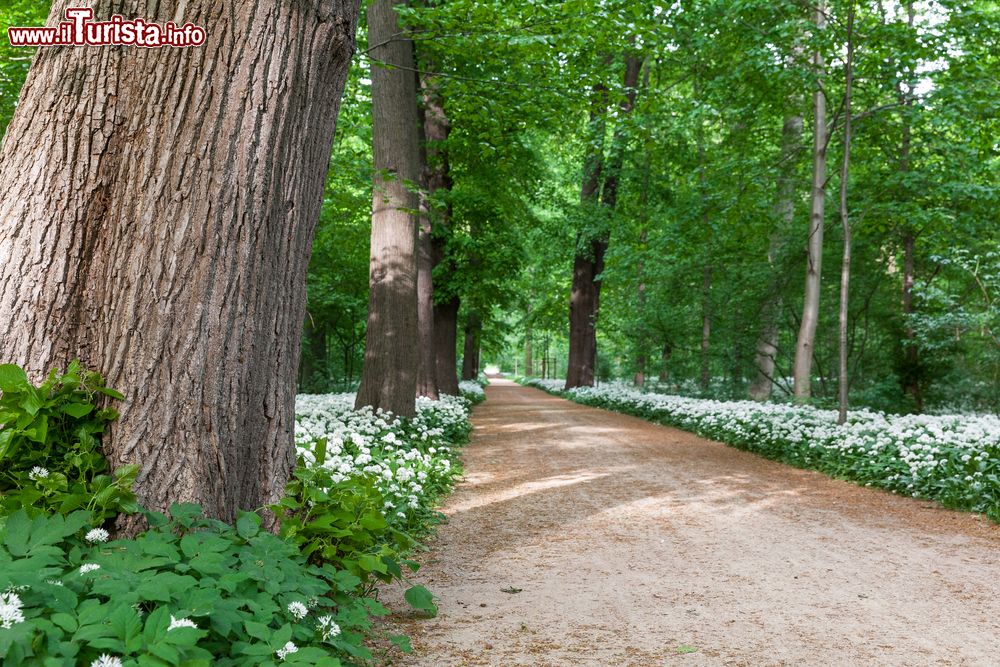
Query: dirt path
[(636, 544)]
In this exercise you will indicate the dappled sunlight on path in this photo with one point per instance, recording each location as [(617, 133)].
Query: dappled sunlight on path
[(584, 537)]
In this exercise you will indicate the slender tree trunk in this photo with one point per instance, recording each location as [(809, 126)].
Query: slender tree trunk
[(665, 362), (470, 355), (767, 344), (706, 327), (389, 378), (805, 345), (640, 359), (911, 353), (426, 362), (528, 361), (845, 269), (706, 271), (157, 210)]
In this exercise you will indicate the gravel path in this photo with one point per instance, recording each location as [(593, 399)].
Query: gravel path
[(584, 537)]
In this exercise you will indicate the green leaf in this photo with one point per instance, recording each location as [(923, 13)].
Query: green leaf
[(421, 598), (12, 378)]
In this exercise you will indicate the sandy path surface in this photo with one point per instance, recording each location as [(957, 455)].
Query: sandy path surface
[(637, 544)]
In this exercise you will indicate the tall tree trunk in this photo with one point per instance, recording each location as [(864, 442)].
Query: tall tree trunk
[(912, 384), (426, 362), (845, 268), (470, 355), (588, 264), (164, 237), (665, 362), (389, 378), (437, 182), (805, 344), (445, 343), (706, 327), (529, 369), (640, 358), (767, 344), (314, 358), (588, 258)]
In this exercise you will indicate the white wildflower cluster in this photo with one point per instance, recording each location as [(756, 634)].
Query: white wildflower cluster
[(954, 458), (10, 610), (89, 567), (38, 473), (403, 457), (105, 660), (297, 609), (472, 389), (287, 650), (97, 535), (328, 628)]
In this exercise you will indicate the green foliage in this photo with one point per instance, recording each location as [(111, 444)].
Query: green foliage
[(50, 445), (244, 592), (343, 524)]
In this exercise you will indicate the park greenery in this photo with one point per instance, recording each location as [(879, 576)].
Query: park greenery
[(770, 222)]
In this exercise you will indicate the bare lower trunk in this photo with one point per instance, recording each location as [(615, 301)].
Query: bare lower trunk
[(706, 327), (767, 343), (529, 369), (665, 363), (470, 354), (845, 268), (805, 345), (427, 363), (389, 378), (157, 210), (445, 341)]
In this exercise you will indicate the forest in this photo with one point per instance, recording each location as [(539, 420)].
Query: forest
[(387, 333)]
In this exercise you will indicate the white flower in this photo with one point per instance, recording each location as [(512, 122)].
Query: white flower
[(10, 610), (97, 535), (297, 609), (38, 473), (106, 660), (287, 650), (181, 623), (89, 567), (328, 628)]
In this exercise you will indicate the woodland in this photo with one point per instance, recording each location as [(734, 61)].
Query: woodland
[(251, 290)]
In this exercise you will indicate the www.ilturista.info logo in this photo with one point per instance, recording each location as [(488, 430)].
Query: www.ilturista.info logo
[(80, 30)]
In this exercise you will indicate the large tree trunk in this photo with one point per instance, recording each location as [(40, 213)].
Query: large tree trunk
[(157, 210), (445, 342), (437, 181), (389, 378), (470, 354), (588, 263), (665, 362), (767, 344), (805, 345), (845, 267)]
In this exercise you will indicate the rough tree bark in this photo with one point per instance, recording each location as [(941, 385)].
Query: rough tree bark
[(767, 344), (157, 210), (426, 362), (845, 267), (470, 355), (389, 378), (437, 179), (588, 263), (804, 346)]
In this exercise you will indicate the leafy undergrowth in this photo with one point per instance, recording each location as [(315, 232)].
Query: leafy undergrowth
[(953, 459), (193, 591)]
